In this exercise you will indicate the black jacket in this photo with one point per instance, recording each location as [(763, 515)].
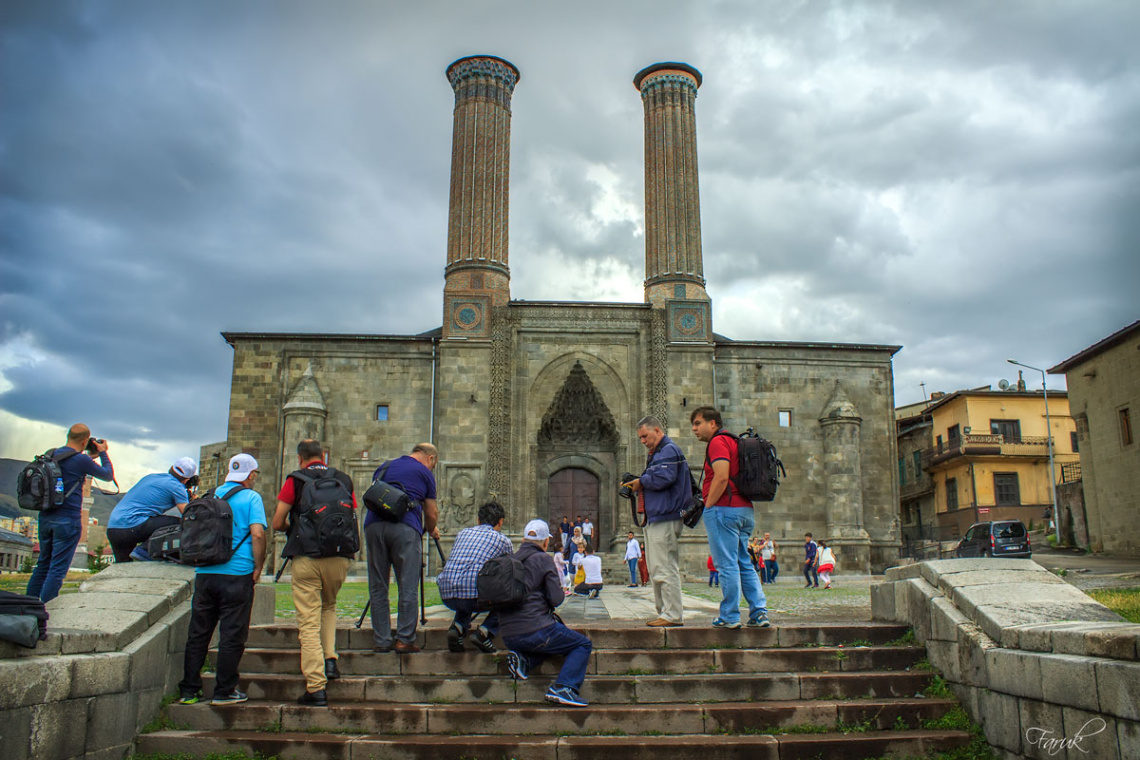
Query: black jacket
[(543, 593)]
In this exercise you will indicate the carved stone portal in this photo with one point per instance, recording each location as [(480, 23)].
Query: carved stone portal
[(578, 415)]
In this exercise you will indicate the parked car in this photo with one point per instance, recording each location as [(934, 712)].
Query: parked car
[(1001, 538)]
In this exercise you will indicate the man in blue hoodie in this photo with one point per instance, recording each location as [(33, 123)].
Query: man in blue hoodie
[(665, 488)]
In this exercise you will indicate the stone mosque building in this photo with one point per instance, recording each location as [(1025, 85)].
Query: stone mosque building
[(535, 403)]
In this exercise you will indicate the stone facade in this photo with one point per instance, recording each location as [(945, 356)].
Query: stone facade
[(1104, 396), (535, 403)]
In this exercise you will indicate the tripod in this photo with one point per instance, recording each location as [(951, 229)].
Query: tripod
[(423, 593)]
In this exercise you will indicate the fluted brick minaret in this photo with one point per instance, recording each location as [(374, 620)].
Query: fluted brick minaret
[(674, 268), (478, 274)]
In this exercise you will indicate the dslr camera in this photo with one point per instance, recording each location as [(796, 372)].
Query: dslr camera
[(93, 445), (691, 513), (625, 491)]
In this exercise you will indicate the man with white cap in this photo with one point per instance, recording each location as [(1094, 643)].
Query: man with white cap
[(223, 594), (141, 510), (531, 631)]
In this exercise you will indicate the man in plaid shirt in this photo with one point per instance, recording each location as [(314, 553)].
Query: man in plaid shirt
[(457, 583)]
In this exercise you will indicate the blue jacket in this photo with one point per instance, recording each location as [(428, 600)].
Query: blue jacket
[(666, 482)]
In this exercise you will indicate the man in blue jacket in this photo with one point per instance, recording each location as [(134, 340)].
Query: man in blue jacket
[(665, 488), (60, 528)]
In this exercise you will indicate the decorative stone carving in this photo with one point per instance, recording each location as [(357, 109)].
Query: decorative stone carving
[(499, 427), (458, 511), (578, 415)]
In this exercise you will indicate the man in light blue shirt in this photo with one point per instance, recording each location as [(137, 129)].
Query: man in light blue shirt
[(223, 594), (142, 510)]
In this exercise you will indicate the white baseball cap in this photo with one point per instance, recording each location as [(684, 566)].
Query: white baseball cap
[(185, 467), (241, 465), (536, 530)]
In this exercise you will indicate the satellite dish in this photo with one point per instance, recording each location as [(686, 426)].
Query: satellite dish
[(1003, 384)]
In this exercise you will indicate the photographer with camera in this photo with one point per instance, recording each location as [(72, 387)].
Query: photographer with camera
[(141, 511), (666, 488), (61, 528)]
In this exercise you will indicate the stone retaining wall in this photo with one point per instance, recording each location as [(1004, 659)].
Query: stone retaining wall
[(1045, 670), (113, 651)]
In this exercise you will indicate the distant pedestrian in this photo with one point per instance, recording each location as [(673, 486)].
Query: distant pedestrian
[(826, 563), (564, 532), (588, 531), (632, 556), (591, 565), (768, 557), (458, 580), (714, 576), (643, 567), (811, 549)]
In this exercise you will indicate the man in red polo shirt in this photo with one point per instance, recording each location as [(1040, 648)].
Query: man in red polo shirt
[(729, 521)]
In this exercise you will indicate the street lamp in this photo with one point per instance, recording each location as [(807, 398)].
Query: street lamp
[(1049, 441)]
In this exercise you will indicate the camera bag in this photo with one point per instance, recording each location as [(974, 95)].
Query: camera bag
[(388, 501), (501, 583), (323, 519), (165, 543), (23, 619), (39, 487), (208, 530)]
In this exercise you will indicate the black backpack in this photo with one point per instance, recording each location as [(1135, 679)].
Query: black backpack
[(208, 530), (758, 467), (501, 584), (323, 519), (23, 619), (388, 501), (39, 486), (165, 544)]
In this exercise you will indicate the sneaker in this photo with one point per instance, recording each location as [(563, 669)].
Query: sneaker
[(455, 638), (332, 672), (760, 621), (718, 623), (516, 665), (564, 695), (483, 640), (314, 699), (139, 554), (190, 699), (234, 697), (593, 594)]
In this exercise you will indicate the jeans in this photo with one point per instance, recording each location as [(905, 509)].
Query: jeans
[(810, 572), (222, 601), (632, 564), (555, 639), (59, 535), (124, 540), (393, 545), (466, 610), (714, 578), (729, 529), (773, 568)]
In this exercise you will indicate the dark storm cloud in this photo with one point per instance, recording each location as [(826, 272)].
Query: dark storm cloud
[(958, 178)]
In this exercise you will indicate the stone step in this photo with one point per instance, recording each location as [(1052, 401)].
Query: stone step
[(601, 689), (605, 661), (726, 717), (691, 636), (318, 746)]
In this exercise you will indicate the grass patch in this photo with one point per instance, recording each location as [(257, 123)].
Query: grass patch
[(938, 688), (17, 583), (1123, 601), (906, 640), (955, 719), (350, 601)]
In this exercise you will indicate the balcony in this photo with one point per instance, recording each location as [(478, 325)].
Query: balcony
[(914, 489), (985, 445)]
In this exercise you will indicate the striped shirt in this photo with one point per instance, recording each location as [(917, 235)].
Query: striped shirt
[(472, 548)]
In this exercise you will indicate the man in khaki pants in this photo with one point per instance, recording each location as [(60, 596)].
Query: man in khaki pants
[(316, 579)]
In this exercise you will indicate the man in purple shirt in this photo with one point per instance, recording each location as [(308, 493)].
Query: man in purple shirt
[(399, 545), (60, 528)]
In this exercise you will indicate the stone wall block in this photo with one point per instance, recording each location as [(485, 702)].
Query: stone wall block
[(944, 656), (175, 590), (108, 720), (178, 621), (933, 570), (1014, 672), (883, 601), (15, 732), (58, 729), (1000, 719), (149, 655), (148, 705), (264, 610), (1128, 739), (133, 571), (31, 682), (1068, 680), (1036, 719), (919, 595), (1092, 735), (947, 582), (100, 674), (1118, 686), (944, 620), (51, 645), (111, 753), (903, 572), (97, 630), (1117, 641)]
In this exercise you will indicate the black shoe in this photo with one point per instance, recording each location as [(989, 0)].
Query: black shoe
[(332, 672), (381, 650), (483, 640), (455, 638), (314, 698)]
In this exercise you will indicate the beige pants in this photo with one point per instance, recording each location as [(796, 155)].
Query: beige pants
[(662, 554), (315, 586)]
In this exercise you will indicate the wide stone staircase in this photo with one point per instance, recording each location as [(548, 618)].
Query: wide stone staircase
[(791, 692)]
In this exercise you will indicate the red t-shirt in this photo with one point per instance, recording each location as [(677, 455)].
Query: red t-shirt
[(723, 447)]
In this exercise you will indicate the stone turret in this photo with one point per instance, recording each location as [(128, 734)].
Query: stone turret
[(843, 470), (305, 414)]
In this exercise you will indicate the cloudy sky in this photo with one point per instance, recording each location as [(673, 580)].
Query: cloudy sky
[(960, 178)]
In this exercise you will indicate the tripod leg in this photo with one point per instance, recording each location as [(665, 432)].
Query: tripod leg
[(423, 596), (364, 614)]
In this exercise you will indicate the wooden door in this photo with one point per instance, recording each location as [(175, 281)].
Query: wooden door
[(574, 491)]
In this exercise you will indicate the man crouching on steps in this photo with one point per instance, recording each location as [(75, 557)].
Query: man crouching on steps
[(531, 631)]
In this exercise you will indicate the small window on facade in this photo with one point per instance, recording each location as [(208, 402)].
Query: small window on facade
[(917, 464), (1007, 492), (381, 412), (785, 417), (951, 493), (953, 433), (1073, 442), (1125, 428), (902, 471), (1010, 430)]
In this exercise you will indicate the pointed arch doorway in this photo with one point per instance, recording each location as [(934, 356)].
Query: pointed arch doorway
[(574, 491)]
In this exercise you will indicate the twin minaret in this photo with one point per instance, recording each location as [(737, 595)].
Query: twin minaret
[(478, 272)]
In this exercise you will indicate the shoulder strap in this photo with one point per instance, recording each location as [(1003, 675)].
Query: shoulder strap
[(229, 494), (56, 457)]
